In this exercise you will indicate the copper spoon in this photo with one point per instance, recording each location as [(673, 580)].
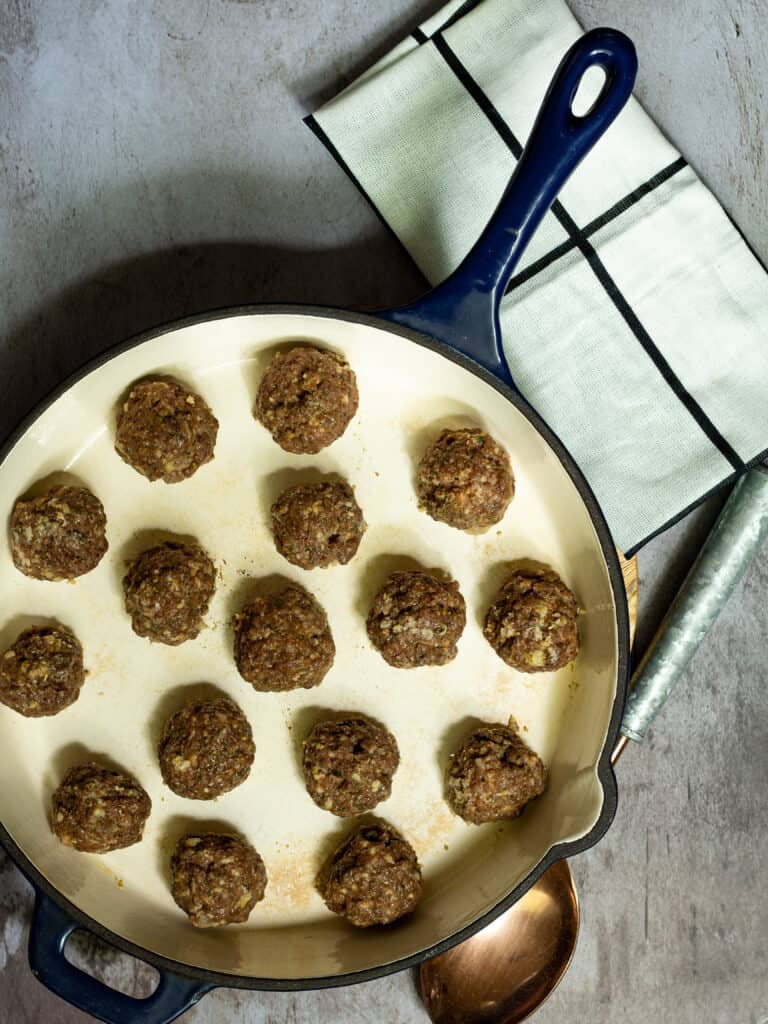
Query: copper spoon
[(504, 973)]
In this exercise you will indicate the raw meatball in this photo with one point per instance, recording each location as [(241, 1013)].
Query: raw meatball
[(348, 765), (417, 619), (493, 775), (316, 525), (532, 623), (465, 479), (216, 879), (306, 399), (41, 674), (373, 878), (97, 810), (59, 535), (167, 592), (206, 749), (165, 431), (283, 641)]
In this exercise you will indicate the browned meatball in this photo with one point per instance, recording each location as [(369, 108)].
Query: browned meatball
[(167, 592), (417, 619), (464, 479), (348, 765), (41, 674), (58, 535), (532, 623), (165, 431), (306, 399), (206, 749), (96, 810), (373, 878), (216, 878), (493, 775), (317, 525), (283, 641)]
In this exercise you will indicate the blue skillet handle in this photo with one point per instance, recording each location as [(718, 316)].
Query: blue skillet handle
[(51, 927), (463, 311)]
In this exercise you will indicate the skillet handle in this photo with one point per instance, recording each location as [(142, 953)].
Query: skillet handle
[(463, 311), (51, 928)]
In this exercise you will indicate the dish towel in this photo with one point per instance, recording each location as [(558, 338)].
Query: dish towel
[(637, 323)]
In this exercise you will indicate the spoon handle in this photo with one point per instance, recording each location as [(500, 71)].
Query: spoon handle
[(727, 553)]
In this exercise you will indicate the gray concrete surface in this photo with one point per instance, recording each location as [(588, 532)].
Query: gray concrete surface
[(154, 164)]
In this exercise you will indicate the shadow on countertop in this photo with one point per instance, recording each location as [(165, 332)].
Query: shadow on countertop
[(155, 287)]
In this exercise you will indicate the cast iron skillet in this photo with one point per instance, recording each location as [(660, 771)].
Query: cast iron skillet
[(459, 320)]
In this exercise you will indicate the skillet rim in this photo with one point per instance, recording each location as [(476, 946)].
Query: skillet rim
[(216, 979)]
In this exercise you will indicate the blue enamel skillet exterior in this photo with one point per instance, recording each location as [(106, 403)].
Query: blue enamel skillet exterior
[(463, 311), (460, 320)]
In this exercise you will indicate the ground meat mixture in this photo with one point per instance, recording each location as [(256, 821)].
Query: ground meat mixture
[(417, 619), (58, 535), (317, 525), (167, 591), (283, 641), (464, 479), (373, 878), (306, 399), (165, 431), (493, 775), (206, 749), (96, 810), (532, 623), (41, 674), (348, 765), (216, 879)]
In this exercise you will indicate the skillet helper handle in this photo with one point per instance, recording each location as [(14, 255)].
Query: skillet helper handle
[(463, 311), (727, 554), (51, 928)]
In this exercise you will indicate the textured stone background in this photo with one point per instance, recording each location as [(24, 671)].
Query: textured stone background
[(154, 164)]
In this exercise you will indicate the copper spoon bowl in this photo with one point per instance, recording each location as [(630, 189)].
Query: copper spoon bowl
[(504, 973), (509, 968)]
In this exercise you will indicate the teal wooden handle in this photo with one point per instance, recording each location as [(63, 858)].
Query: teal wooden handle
[(727, 553)]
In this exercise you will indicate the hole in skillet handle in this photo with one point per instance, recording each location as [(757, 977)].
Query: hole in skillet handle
[(109, 965), (51, 930), (589, 91), (463, 311)]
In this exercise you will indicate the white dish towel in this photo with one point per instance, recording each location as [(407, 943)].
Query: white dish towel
[(637, 324)]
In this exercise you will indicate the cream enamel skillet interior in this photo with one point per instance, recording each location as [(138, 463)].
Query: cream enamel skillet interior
[(434, 364)]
